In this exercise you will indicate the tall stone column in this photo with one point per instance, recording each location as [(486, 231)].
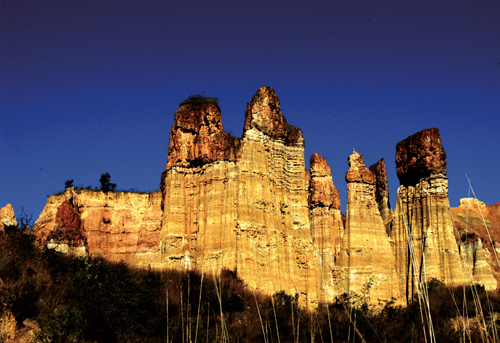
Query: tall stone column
[(366, 264), (422, 228)]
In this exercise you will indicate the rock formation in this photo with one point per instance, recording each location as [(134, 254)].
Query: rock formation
[(382, 193), (7, 217), (249, 205), (327, 227), (366, 262), (477, 261), (246, 210), (477, 230), (422, 228), (120, 226)]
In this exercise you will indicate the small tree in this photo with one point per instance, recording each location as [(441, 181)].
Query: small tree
[(68, 183), (106, 185)]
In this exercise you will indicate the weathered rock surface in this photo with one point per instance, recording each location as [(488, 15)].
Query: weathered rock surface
[(475, 222), (248, 204), (366, 262), (198, 137), (327, 227), (264, 114), (117, 225), (67, 235), (422, 228), (420, 155), (7, 217), (382, 193), (477, 262), (248, 214)]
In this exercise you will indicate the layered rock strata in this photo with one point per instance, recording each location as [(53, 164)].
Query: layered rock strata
[(245, 211), (422, 228), (120, 226), (477, 262), (327, 227), (477, 230), (366, 264)]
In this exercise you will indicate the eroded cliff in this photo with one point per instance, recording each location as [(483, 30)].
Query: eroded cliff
[(366, 262), (249, 205), (120, 226), (246, 211), (422, 227)]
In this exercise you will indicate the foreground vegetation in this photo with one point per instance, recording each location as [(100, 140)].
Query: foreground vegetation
[(50, 297)]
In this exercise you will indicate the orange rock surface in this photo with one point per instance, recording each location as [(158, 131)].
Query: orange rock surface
[(248, 204), (366, 263), (120, 226), (327, 227), (249, 214), (7, 217), (422, 227), (477, 230)]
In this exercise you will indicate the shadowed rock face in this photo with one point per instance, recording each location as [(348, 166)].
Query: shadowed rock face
[(68, 222), (420, 155), (382, 192)]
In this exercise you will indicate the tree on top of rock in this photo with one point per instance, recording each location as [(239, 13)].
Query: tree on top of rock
[(106, 185)]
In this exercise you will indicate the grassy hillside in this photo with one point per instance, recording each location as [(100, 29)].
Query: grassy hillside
[(50, 297)]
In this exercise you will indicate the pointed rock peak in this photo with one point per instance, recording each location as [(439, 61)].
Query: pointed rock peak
[(318, 166), (357, 170), (263, 113), (7, 217), (322, 192), (420, 155), (382, 189)]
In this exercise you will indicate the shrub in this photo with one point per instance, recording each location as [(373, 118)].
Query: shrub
[(68, 184), (106, 184), (195, 99)]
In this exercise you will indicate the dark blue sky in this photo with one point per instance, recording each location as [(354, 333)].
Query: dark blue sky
[(92, 86)]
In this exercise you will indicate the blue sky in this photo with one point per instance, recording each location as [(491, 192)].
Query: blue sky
[(88, 87)]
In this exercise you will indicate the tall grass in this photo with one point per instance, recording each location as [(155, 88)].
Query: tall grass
[(50, 297)]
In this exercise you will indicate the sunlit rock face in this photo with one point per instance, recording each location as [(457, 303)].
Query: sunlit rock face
[(422, 228), (7, 217), (248, 213), (327, 227), (382, 193), (477, 262), (120, 226), (474, 221), (366, 262)]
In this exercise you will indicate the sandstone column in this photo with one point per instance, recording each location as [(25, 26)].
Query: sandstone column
[(327, 227), (422, 229), (366, 262)]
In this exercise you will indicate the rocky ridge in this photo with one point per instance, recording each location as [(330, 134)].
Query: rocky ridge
[(249, 205)]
